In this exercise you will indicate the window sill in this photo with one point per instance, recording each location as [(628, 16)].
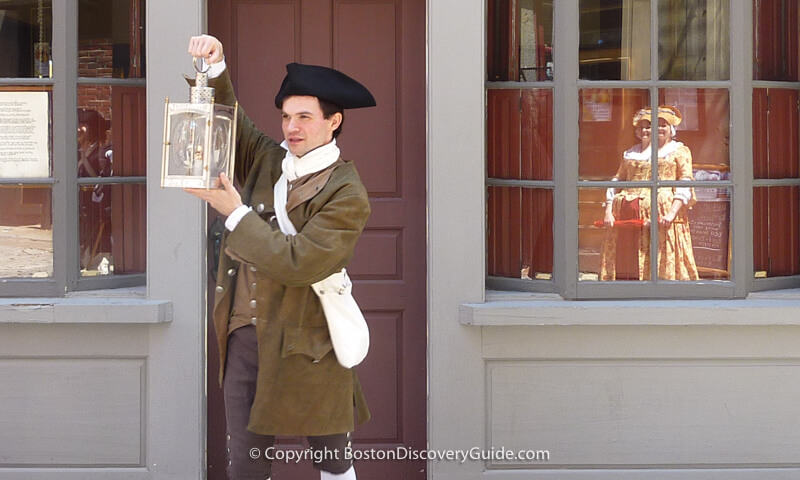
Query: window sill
[(778, 307), (117, 306)]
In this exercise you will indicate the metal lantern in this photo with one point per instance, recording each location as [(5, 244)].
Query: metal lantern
[(199, 138)]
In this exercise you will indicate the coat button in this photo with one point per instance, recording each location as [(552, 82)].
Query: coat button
[(260, 208), (219, 289), (290, 347), (253, 304), (231, 272), (254, 320), (253, 268), (253, 285)]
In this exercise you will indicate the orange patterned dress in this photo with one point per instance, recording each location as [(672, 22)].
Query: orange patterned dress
[(626, 251)]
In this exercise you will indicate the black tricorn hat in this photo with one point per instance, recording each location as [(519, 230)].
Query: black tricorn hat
[(324, 83)]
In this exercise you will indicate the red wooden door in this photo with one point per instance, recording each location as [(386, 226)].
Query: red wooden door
[(382, 44)]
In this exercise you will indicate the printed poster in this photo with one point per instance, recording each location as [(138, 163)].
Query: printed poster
[(24, 135)]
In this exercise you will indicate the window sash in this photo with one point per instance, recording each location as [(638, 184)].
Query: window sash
[(65, 184), (565, 176)]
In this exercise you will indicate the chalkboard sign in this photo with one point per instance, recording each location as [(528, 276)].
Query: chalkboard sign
[(709, 225)]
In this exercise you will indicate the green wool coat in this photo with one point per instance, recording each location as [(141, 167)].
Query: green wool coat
[(301, 388)]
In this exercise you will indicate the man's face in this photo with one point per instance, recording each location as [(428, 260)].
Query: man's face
[(304, 126)]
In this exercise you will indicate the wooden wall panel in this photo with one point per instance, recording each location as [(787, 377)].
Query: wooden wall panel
[(72, 411)]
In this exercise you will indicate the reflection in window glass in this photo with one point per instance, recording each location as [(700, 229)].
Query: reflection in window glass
[(520, 40), (776, 231), (597, 242), (112, 229), (694, 40), (606, 129), (26, 28), (111, 38), (693, 242), (520, 140), (614, 40), (775, 40), (625, 247), (111, 141), (705, 124), (709, 230), (26, 232), (775, 134), (520, 233), (536, 40)]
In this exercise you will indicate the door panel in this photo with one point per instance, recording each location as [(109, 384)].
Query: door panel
[(381, 43)]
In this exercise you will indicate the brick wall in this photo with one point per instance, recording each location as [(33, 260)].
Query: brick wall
[(95, 59)]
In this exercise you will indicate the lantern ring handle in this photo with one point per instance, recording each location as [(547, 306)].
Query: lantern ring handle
[(204, 67)]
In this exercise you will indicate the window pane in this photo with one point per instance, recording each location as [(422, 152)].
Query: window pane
[(26, 28), (520, 40), (112, 229), (26, 232), (693, 245), (111, 38), (606, 129), (775, 127), (709, 232), (25, 132), (520, 134), (704, 127), (614, 40), (111, 131), (618, 249), (694, 40), (776, 231), (775, 40), (520, 232)]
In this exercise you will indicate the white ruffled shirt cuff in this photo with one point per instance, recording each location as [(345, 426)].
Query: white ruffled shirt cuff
[(236, 216), (216, 69)]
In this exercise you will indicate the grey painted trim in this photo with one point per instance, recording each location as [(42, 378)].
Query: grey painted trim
[(110, 180), (503, 283), (507, 85), (75, 473), (66, 245), (775, 283), (760, 310), (741, 146), (28, 181), (775, 84), (27, 81), (118, 82), (778, 182), (65, 103), (107, 282), (505, 182), (659, 183), (631, 474), (565, 153), (115, 310)]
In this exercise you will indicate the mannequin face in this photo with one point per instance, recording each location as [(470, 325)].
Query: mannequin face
[(305, 126)]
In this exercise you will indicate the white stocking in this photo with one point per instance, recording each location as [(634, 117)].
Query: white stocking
[(348, 475)]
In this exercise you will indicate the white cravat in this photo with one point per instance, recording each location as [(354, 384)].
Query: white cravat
[(318, 159), (294, 167)]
